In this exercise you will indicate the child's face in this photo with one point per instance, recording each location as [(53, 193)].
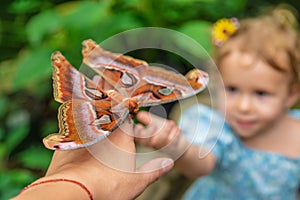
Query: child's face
[(257, 96)]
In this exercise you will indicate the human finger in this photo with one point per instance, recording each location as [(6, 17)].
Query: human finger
[(151, 171), (148, 118)]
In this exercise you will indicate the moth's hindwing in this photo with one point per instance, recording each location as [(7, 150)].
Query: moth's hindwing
[(83, 123), (160, 86)]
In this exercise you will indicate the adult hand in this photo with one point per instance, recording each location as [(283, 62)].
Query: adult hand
[(107, 169)]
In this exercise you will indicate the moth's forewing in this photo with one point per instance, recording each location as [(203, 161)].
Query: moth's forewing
[(69, 83)]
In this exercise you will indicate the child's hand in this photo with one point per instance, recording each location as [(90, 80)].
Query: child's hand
[(160, 134), (165, 136)]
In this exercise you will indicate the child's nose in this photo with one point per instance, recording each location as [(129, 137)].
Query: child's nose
[(244, 103)]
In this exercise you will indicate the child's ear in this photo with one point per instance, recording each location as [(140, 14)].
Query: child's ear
[(294, 95)]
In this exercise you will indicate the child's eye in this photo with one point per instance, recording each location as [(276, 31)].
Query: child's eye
[(261, 93), (231, 89)]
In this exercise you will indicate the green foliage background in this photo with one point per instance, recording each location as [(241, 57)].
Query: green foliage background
[(30, 30)]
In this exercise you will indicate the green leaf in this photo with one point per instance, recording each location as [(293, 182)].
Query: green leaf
[(12, 181), (7, 71), (50, 126), (21, 176), (3, 105), (36, 157), (44, 23), (115, 24), (24, 6), (220, 8), (200, 31), (84, 14), (124, 21), (15, 136), (196, 1), (2, 134), (43, 89), (33, 67), (3, 154)]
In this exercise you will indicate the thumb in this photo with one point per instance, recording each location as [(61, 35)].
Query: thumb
[(154, 169)]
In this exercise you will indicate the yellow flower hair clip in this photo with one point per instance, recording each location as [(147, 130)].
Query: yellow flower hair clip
[(223, 29)]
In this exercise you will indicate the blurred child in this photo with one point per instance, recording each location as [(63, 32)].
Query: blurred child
[(257, 154)]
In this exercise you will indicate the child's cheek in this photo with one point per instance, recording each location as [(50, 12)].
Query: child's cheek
[(220, 102)]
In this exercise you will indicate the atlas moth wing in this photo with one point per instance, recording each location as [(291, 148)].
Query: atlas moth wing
[(83, 123), (69, 83), (159, 86), (120, 71)]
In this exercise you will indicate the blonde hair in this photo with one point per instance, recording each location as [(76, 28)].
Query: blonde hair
[(272, 38)]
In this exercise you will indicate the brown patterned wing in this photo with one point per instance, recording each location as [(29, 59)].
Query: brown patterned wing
[(89, 113), (123, 72), (69, 83), (160, 86), (147, 85), (83, 123)]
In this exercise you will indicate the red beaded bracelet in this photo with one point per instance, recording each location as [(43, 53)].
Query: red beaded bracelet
[(57, 180)]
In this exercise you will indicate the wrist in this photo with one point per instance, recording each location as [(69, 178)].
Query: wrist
[(55, 188), (99, 188)]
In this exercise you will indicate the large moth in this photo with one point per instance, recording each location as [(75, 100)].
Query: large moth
[(93, 107)]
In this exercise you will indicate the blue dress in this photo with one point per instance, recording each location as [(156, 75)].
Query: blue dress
[(240, 172)]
